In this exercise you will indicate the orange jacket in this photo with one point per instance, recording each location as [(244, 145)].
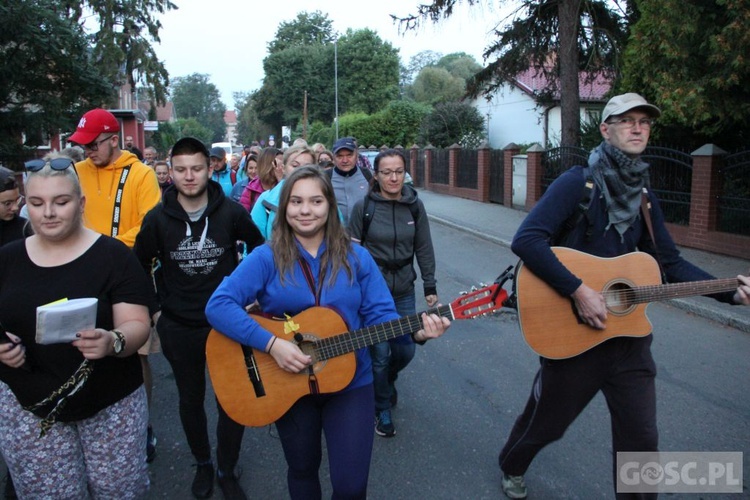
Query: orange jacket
[(139, 195)]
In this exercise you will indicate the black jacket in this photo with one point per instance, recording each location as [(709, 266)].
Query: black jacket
[(195, 256)]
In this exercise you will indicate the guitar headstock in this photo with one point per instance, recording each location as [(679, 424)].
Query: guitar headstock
[(479, 302)]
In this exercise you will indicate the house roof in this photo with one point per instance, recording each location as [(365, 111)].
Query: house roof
[(533, 81), (163, 113), (230, 117)]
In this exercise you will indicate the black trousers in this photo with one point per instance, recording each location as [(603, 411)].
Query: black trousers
[(622, 368), (185, 349)]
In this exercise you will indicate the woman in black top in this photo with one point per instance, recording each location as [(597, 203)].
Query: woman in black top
[(72, 415)]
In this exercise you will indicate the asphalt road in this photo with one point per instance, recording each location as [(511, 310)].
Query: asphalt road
[(461, 394)]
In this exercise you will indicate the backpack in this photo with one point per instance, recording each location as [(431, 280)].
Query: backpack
[(369, 211)]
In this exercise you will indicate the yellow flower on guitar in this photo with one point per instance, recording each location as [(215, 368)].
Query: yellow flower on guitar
[(290, 326)]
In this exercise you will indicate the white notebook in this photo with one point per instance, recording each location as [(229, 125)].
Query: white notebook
[(59, 321)]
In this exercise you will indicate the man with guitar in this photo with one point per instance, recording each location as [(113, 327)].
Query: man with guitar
[(606, 210)]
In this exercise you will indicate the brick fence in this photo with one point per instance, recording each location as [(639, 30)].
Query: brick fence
[(700, 233)]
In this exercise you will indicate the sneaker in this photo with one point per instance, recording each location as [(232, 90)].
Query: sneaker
[(384, 425), (150, 445), (203, 483), (513, 486), (230, 486)]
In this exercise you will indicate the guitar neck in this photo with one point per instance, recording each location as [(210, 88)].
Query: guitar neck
[(643, 294), (338, 345)]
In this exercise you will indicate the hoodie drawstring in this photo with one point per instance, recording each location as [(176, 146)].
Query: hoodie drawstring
[(202, 241)]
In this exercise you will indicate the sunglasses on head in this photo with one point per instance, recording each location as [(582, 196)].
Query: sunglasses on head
[(55, 164)]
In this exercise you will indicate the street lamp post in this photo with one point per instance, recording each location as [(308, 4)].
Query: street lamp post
[(336, 82)]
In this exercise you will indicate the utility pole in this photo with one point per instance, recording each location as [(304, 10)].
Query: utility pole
[(304, 118)]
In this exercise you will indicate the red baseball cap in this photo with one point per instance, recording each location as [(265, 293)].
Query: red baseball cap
[(95, 122)]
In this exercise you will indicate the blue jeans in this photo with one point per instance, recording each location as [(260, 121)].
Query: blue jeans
[(389, 358)]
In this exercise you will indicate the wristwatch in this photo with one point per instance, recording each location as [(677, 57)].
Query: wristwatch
[(119, 344)]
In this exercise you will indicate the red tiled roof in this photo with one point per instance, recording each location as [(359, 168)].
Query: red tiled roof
[(533, 81), (163, 113), (230, 117)]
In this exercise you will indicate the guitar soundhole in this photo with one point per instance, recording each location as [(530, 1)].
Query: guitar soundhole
[(619, 297), (307, 346)]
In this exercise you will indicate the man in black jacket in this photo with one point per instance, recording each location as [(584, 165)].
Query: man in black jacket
[(193, 234)]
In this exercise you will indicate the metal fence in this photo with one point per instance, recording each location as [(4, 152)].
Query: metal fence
[(497, 176), (439, 168), (468, 164), (421, 155), (671, 175), (734, 202)]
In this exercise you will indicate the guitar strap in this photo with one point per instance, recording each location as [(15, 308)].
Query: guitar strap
[(646, 212), (118, 200), (311, 280)]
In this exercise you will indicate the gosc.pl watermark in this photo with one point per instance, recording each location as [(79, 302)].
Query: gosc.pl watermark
[(679, 472)]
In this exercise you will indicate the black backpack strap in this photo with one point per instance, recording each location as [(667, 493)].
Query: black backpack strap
[(580, 213), (368, 212), (368, 175)]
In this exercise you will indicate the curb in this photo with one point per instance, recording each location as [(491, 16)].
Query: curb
[(712, 312)]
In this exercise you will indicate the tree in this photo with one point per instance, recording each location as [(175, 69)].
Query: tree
[(559, 38), (47, 75), (122, 45), (453, 123), (690, 58), (368, 71), (419, 61), (459, 64), (434, 85), (249, 125), (307, 29), (194, 96), (169, 133)]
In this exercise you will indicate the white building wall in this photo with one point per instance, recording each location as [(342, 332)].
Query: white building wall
[(511, 116)]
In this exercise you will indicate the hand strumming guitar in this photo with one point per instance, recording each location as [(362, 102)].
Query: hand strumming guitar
[(288, 355), (591, 306)]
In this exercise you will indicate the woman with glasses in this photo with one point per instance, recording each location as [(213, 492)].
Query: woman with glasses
[(12, 226), (310, 261), (73, 415), (391, 223)]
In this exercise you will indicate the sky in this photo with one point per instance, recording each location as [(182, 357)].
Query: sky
[(228, 39)]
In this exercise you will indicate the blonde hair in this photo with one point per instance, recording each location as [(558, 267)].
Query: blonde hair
[(47, 171)]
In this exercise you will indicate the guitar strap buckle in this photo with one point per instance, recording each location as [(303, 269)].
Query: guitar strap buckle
[(507, 275)]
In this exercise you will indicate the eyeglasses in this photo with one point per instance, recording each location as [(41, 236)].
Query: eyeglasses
[(94, 146), (388, 173), (55, 164), (629, 122), (7, 204)]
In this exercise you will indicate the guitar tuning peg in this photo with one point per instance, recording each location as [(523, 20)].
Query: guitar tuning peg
[(474, 289), (463, 293), (482, 284)]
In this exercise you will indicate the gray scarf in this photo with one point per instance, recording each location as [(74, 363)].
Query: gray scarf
[(621, 180)]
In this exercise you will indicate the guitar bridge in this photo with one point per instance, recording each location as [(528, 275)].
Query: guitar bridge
[(252, 371)]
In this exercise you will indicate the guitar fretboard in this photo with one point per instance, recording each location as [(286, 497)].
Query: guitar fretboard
[(644, 294), (351, 341)]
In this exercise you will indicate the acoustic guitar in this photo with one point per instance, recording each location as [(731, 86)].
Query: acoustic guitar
[(550, 323), (254, 391)]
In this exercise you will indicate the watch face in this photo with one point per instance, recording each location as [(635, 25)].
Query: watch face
[(119, 344)]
